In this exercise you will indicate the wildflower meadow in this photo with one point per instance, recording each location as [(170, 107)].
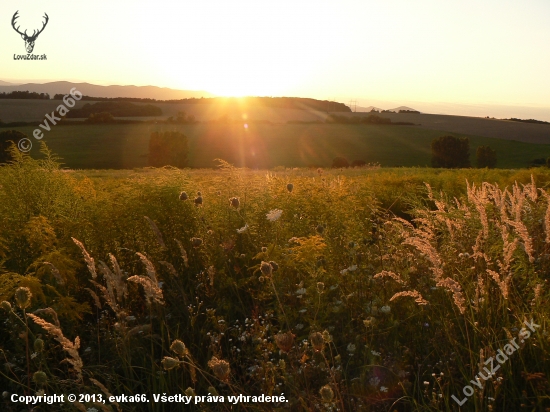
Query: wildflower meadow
[(366, 289)]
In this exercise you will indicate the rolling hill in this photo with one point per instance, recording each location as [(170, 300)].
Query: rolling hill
[(144, 92)]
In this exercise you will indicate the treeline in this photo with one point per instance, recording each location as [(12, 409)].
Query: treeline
[(370, 119), (513, 119), (116, 109), (25, 95), (302, 103)]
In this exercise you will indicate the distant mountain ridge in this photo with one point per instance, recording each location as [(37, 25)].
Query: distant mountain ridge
[(144, 92)]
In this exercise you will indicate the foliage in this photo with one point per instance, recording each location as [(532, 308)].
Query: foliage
[(102, 117), (451, 152), (7, 138), (336, 302), (168, 148), (486, 157)]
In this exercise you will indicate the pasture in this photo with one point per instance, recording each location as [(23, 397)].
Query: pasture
[(268, 145)]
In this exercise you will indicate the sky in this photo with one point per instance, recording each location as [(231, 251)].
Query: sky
[(432, 53)]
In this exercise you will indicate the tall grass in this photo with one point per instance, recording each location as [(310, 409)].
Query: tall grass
[(371, 291)]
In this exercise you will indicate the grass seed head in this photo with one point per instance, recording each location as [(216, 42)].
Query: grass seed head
[(23, 297)]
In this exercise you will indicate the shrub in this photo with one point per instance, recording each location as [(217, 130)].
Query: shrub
[(6, 139), (451, 152), (486, 157), (338, 162)]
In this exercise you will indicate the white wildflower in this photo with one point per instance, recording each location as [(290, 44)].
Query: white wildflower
[(383, 389), (352, 268), (375, 353), (351, 348), (374, 381), (385, 309), (301, 291), (274, 215), (243, 229)]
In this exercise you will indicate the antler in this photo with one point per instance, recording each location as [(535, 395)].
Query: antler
[(44, 25), (15, 17)]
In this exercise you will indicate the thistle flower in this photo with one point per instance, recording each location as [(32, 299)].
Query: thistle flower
[(274, 215), (220, 368), (320, 287), (274, 265), (317, 341), (196, 242), (184, 196), (198, 200), (284, 341), (289, 187), (266, 268), (5, 305), (23, 297), (327, 394), (234, 202), (190, 392), (179, 347), (264, 249), (327, 337), (169, 363), (320, 229), (40, 378)]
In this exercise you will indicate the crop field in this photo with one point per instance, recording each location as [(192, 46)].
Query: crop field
[(405, 289), (268, 145)]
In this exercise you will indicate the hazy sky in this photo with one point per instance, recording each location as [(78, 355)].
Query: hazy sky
[(457, 51)]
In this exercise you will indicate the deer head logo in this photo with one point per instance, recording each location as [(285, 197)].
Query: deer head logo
[(29, 40)]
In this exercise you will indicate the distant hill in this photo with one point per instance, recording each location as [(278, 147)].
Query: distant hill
[(3, 83), (144, 92)]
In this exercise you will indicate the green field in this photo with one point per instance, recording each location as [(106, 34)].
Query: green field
[(268, 145)]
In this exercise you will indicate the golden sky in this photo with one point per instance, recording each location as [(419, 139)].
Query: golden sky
[(479, 52)]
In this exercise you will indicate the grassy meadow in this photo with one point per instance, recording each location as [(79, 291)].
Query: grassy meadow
[(263, 145), (353, 290)]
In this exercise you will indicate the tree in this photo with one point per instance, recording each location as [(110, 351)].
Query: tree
[(6, 137), (168, 148), (103, 117), (451, 152), (486, 157), (340, 162)]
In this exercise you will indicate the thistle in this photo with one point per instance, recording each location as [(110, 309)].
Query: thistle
[(289, 187), (169, 363), (184, 196)]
